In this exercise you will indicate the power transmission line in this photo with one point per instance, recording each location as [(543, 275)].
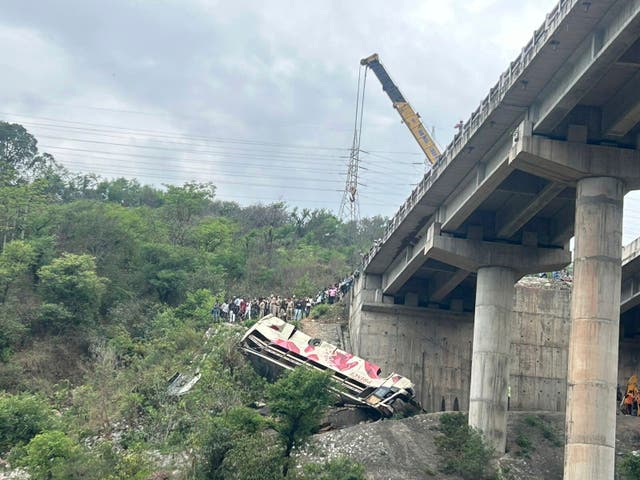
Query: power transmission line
[(119, 132), (203, 168), (154, 174), (83, 126), (176, 149), (253, 185), (156, 133)]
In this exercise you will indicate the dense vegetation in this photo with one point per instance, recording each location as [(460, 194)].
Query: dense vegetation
[(105, 291)]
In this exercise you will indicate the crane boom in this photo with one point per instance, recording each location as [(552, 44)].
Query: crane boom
[(410, 118)]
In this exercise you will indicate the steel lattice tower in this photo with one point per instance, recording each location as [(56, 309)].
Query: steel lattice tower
[(350, 205)]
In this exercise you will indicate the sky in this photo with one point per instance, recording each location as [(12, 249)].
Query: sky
[(256, 97)]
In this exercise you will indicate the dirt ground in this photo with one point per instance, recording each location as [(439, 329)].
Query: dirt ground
[(544, 458), (405, 449)]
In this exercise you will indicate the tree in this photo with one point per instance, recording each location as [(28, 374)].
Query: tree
[(323, 228), (128, 193), (183, 204), (16, 203), (20, 162), (18, 149), (50, 179), (15, 260), (71, 281), (298, 400), (218, 238), (273, 215), (81, 186), (111, 233), (166, 269), (300, 218), (214, 234), (197, 307), (121, 191)]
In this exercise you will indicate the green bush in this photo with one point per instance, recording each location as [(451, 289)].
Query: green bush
[(197, 308), (461, 448), (630, 466), (256, 457), (71, 282), (22, 417), (52, 455), (319, 310), (525, 444), (12, 330), (532, 420), (304, 287), (221, 435), (545, 428), (237, 443), (48, 452), (129, 465), (52, 318), (214, 442), (341, 468), (250, 322)]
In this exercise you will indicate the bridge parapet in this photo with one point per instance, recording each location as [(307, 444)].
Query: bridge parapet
[(630, 252)]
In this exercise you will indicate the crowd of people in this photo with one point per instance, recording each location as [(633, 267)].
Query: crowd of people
[(563, 275), (290, 308)]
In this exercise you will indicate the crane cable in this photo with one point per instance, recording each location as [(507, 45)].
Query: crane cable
[(359, 131)]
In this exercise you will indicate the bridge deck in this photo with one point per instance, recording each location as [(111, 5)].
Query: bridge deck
[(572, 71)]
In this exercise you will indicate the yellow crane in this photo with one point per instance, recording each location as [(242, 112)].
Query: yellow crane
[(409, 117)]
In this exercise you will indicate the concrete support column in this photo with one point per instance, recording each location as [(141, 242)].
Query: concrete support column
[(593, 343), (490, 358)]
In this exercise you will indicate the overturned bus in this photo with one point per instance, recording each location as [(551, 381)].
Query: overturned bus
[(274, 345)]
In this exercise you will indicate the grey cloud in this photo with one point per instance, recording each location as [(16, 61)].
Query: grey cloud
[(277, 71)]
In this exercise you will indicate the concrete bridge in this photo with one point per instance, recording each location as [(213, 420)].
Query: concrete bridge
[(548, 155)]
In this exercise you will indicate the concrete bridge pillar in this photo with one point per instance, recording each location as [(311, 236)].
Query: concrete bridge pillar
[(601, 174), (490, 358), (498, 267), (593, 342)]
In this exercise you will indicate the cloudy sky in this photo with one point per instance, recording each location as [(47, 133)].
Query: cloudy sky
[(257, 97)]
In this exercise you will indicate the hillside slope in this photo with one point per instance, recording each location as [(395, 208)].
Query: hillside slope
[(405, 449)]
